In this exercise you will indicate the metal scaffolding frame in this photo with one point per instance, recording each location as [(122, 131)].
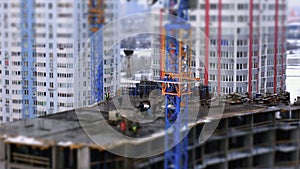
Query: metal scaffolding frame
[(176, 72), (28, 61), (96, 21)]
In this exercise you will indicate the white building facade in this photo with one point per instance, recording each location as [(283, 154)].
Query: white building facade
[(265, 37), (59, 33)]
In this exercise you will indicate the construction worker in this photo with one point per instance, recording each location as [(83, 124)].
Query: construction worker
[(134, 128), (123, 126), (107, 96)]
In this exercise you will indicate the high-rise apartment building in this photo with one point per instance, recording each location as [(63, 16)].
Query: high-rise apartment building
[(40, 49), (249, 38), (103, 68), (111, 48)]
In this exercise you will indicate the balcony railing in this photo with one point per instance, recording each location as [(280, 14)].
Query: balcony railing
[(31, 160)]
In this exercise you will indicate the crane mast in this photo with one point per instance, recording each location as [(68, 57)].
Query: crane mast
[(176, 75)]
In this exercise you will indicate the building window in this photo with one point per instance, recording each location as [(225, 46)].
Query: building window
[(213, 6), (239, 66), (242, 6), (224, 42), (192, 18), (213, 42)]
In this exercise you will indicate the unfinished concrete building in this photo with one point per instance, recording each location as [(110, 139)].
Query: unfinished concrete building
[(248, 136)]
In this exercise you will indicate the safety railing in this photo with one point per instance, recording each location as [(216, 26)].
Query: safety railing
[(219, 132), (285, 163), (30, 160), (199, 161), (288, 123), (106, 161), (289, 142), (240, 149), (262, 148), (215, 155), (265, 125), (241, 127), (263, 145)]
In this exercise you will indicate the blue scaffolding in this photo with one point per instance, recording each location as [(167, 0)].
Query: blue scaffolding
[(28, 61), (96, 21)]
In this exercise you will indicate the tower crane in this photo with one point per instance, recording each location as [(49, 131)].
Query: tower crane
[(176, 72), (175, 76)]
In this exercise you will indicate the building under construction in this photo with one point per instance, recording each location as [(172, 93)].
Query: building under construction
[(253, 134)]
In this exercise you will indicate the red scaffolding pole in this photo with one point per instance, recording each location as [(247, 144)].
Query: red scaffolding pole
[(219, 44), (282, 43), (162, 45), (258, 54), (250, 49), (276, 46), (207, 21)]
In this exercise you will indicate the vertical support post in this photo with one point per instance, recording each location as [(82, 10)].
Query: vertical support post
[(283, 44), (250, 49), (105, 159), (59, 157), (2, 154), (258, 57), (276, 46), (176, 74), (28, 61), (162, 43), (54, 157), (177, 90), (207, 21), (83, 158), (219, 44), (8, 154), (96, 20)]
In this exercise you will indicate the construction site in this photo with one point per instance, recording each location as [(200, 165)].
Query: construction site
[(209, 93), (250, 134)]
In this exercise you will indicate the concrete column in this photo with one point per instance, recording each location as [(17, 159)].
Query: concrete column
[(83, 158), (53, 149), (128, 163), (195, 141), (58, 157), (2, 154), (250, 159), (203, 154), (298, 153), (226, 149), (8, 154), (273, 137)]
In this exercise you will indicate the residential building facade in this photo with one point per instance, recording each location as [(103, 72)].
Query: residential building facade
[(40, 49), (247, 37)]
